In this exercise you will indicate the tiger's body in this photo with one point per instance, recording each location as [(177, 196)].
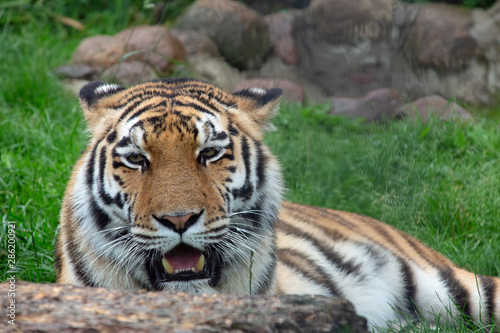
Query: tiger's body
[(177, 192)]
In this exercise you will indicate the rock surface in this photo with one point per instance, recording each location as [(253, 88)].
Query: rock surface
[(213, 70), (440, 38), (196, 42), (153, 45), (332, 48), (241, 34), (350, 48), (101, 51), (437, 106), (128, 73), (280, 35), (64, 308), (377, 105)]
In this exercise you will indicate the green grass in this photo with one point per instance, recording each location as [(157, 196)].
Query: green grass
[(438, 181)]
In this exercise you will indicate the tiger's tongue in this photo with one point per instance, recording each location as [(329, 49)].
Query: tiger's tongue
[(183, 257)]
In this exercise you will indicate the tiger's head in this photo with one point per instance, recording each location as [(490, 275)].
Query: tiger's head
[(176, 190)]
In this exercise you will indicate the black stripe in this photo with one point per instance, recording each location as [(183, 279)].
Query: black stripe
[(232, 130), (130, 107), (194, 106), (457, 291), (118, 179), (348, 267), (410, 288), (418, 248), (106, 198), (75, 258), (100, 217), (489, 295), (324, 279), (90, 168), (58, 257), (261, 164), (246, 191), (323, 212), (147, 108), (333, 234), (124, 142), (112, 137), (214, 231), (219, 136)]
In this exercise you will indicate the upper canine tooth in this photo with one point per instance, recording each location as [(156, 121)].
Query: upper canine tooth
[(167, 266), (200, 264)]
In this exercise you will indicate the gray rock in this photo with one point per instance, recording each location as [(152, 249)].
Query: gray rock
[(241, 34), (350, 48), (272, 6), (213, 70), (196, 42), (101, 51), (154, 45), (377, 105), (437, 106), (280, 35), (82, 72), (440, 38), (129, 73)]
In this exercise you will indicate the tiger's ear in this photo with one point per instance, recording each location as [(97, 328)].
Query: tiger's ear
[(92, 100), (260, 105)]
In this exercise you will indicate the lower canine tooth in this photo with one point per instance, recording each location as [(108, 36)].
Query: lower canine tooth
[(200, 264), (167, 266)]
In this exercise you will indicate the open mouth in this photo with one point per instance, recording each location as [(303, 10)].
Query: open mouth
[(182, 263)]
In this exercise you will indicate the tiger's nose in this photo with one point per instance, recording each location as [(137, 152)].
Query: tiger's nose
[(178, 222)]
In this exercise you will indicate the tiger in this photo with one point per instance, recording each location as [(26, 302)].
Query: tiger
[(177, 192)]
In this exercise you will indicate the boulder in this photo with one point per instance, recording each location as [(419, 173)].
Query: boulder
[(129, 73), (274, 68), (344, 46), (65, 308), (377, 105), (213, 70), (440, 38), (241, 34), (101, 51), (271, 6), (434, 105), (154, 45), (280, 35), (350, 48), (196, 42), (292, 92), (77, 72), (347, 21)]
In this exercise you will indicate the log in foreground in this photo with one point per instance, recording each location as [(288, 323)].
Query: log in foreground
[(65, 308)]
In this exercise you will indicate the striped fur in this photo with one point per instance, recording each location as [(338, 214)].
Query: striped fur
[(176, 170)]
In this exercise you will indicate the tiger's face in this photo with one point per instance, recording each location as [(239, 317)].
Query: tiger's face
[(173, 184)]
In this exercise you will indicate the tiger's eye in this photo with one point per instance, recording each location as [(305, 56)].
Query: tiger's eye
[(135, 158), (209, 152)]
